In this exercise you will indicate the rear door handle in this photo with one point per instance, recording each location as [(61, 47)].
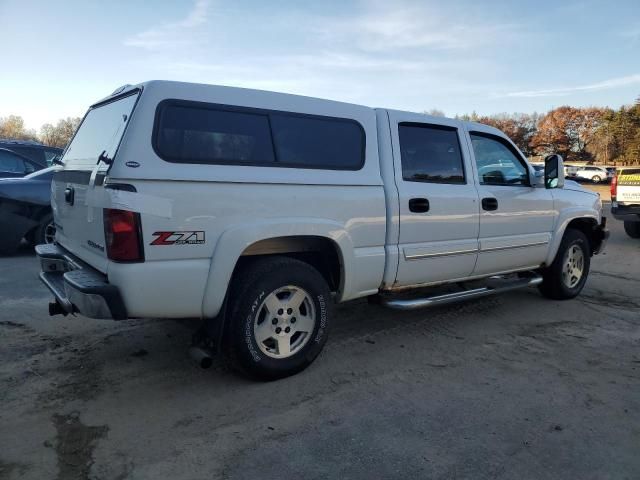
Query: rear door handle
[(489, 204), (419, 205)]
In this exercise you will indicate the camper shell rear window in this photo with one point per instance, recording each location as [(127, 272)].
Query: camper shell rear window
[(205, 133), (101, 130)]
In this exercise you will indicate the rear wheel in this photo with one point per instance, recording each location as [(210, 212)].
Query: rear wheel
[(566, 276), (46, 231), (632, 228), (278, 317)]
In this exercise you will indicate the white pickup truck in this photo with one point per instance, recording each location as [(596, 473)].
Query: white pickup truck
[(256, 211), (625, 199)]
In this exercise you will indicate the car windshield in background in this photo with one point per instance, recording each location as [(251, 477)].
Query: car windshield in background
[(100, 131)]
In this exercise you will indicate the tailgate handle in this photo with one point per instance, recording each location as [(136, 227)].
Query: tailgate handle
[(69, 195)]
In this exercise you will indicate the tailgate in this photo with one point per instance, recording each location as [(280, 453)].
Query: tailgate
[(628, 190), (77, 188)]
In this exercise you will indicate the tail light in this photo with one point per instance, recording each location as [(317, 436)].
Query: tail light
[(614, 187), (123, 235)]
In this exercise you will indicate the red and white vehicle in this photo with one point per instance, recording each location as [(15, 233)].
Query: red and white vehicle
[(625, 199)]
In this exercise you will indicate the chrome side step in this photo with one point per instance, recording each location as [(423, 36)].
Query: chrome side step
[(415, 303)]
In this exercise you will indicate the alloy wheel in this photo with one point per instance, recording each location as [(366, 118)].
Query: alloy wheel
[(284, 322)]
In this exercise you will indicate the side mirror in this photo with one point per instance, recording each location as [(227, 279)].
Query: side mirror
[(553, 171)]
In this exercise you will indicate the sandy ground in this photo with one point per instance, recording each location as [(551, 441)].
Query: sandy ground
[(512, 386)]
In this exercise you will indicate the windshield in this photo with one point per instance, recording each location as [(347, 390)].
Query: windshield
[(100, 131)]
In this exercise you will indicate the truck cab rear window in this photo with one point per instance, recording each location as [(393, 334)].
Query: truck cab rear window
[(192, 132)]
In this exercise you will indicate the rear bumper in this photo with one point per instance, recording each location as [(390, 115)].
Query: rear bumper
[(77, 287), (624, 212)]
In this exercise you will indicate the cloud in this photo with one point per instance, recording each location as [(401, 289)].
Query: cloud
[(396, 27), (563, 91), (171, 34)]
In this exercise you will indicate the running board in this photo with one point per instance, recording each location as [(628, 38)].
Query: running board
[(415, 303)]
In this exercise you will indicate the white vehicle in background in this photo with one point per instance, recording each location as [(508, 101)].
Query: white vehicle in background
[(256, 211), (625, 199), (570, 170), (593, 174)]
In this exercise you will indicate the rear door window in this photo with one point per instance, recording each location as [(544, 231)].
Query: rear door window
[(430, 153), (100, 131), (34, 153), (10, 162)]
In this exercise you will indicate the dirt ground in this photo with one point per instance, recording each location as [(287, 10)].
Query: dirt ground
[(512, 387)]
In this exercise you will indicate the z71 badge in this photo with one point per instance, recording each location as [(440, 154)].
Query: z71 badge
[(178, 238)]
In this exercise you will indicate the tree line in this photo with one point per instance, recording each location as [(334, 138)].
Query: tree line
[(590, 134), (57, 135)]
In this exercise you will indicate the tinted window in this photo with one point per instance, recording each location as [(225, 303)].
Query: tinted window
[(100, 131), (430, 154), (33, 153), (201, 135), (318, 143), (10, 162), (497, 163)]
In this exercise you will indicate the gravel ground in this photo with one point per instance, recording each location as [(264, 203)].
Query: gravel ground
[(512, 386)]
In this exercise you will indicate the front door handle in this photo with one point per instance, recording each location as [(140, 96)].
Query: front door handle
[(419, 205), (489, 204)]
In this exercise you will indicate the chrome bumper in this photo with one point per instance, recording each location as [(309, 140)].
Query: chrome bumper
[(77, 287)]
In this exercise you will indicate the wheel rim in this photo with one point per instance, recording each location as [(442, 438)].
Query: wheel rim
[(284, 322), (573, 267), (49, 232), (596, 179)]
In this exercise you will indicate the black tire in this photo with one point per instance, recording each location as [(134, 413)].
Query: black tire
[(553, 286), (596, 179), (251, 286), (632, 228), (42, 233)]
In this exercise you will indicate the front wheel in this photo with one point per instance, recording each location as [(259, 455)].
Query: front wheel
[(632, 228), (566, 276), (596, 179), (278, 317)]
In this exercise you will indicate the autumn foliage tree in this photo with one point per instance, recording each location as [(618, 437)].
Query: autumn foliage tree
[(58, 135), (13, 127), (568, 131), (519, 127)]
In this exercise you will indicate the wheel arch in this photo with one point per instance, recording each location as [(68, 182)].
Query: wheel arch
[(320, 252), (585, 222), (328, 248)]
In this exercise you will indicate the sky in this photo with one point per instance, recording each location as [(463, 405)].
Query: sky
[(490, 57)]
